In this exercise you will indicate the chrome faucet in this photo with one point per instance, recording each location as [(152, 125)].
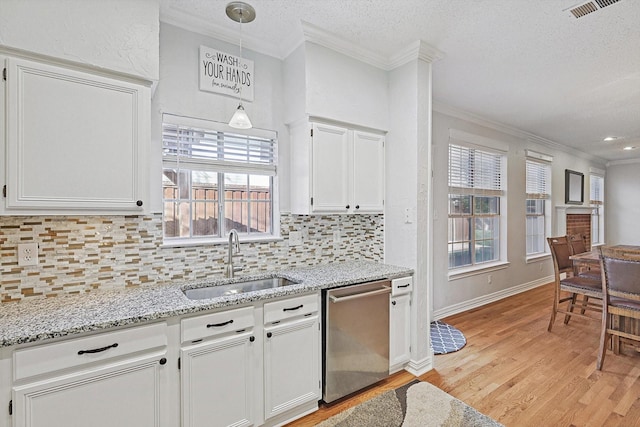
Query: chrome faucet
[(229, 268)]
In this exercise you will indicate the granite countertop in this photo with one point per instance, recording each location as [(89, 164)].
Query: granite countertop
[(39, 319)]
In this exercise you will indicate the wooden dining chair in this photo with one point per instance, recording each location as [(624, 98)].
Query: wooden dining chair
[(578, 245), (574, 284), (621, 299)]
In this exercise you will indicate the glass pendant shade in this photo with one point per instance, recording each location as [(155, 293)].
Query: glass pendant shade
[(240, 120)]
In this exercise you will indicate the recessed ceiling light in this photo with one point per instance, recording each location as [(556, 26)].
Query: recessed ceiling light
[(610, 138), (629, 148)]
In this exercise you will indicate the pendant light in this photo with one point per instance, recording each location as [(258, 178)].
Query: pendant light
[(240, 12)]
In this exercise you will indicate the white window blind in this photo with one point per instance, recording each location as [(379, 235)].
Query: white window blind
[(538, 179), (474, 171), (597, 190), (205, 145)]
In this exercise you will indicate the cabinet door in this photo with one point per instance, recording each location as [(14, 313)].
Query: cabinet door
[(217, 382), (127, 393), (330, 166), (76, 141), (400, 330), (291, 365), (368, 172)]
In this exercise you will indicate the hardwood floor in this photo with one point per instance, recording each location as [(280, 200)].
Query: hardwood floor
[(516, 372)]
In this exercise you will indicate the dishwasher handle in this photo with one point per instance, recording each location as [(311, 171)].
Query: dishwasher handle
[(383, 290)]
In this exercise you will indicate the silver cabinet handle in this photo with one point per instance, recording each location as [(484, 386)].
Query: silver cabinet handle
[(383, 290)]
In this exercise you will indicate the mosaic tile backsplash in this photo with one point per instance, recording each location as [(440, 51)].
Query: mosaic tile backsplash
[(88, 253)]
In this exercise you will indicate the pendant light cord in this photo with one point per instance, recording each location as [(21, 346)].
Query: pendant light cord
[(240, 61)]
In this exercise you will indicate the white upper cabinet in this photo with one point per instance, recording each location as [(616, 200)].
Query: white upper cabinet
[(336, 169), (75, 141), (368, 172), (330, 165)]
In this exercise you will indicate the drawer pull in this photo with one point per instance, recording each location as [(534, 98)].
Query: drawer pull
[(404, 286), (252, 338), (217, 325), (97, 350), (163, 361), (269, 334), (293, 308)]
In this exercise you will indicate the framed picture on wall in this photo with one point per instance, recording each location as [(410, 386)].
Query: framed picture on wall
[(573, 187)]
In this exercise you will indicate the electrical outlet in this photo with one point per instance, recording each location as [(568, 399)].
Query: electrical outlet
[(337, 238), (489, 279), (27, 254)]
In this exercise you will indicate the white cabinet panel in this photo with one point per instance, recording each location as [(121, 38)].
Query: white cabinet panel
[(400, 330), (291, 365), (368, 172), (75, 141), (128, 393), (330, 165), (218, 382)]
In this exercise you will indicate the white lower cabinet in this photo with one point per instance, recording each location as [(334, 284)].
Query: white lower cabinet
[(291, 365), (110, 379), (400, 323), (256, 365), (218, 382)]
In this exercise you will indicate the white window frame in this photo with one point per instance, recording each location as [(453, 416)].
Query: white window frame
[(596, 201), (486, 145), (538, 187), (251, 152)]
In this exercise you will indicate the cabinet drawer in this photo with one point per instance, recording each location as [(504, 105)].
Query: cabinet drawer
[(401, 286), (81, 351), (210, 325), (292, 307)]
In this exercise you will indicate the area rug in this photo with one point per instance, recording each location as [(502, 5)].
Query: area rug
[(417, 404), (446, 338)]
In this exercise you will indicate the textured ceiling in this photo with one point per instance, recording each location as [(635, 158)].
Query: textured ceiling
[(528, 64)]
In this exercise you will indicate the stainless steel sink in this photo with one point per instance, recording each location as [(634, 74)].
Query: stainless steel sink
[(237, 288)]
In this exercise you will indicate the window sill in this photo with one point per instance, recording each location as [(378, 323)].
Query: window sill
[(538, 257), (460, 273), (184, 243)]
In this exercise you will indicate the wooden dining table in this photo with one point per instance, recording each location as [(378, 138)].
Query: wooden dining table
[(592, 257)]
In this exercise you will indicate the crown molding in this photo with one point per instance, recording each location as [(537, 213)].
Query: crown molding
[(443, 108), (196, 24), (417, 50), (317, 35), (623, 162)]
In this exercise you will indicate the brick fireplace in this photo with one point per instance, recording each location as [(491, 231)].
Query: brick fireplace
[(580, 224), (574, 220)]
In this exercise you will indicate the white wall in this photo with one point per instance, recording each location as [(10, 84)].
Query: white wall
[(457, 294), (119, 35), (622, 203), (295, 85), (178, 93), (344, 89)]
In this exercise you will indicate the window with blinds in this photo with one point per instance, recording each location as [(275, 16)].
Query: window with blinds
[(215, 179), (475, 193), (538, 188), (473, 171), (596, 199)]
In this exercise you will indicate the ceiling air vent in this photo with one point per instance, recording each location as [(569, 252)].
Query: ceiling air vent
[(590, 7)]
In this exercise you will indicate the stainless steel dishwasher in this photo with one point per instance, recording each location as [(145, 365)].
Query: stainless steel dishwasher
[(355, 338)]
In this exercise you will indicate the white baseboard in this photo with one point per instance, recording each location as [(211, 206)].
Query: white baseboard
[(420, 367), (486, 299)]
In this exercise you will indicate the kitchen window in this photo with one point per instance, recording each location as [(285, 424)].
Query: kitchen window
[(476, 197), (538, 196), (596, 200), (215, 179)]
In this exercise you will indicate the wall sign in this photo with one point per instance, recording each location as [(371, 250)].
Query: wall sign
[(227, 74)]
